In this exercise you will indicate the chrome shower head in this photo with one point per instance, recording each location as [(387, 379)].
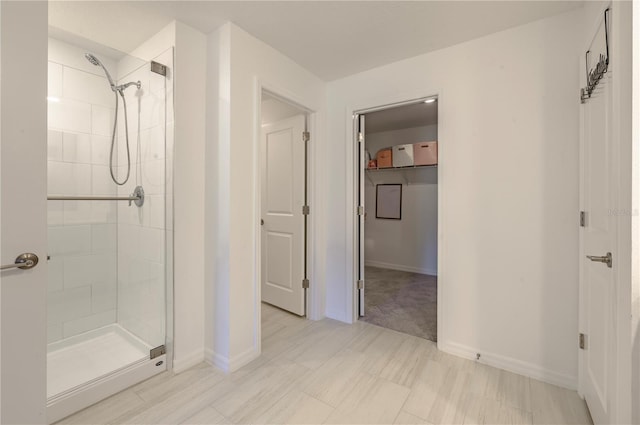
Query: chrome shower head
[(92, 59), (95, 61)]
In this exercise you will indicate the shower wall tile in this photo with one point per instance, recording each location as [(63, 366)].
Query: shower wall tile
[(86, 87), (69, 115), (103, 238), (83, 234), (104, 211), (103, 297), (153, 177), (76, 147), (101, 120), (78, 271), (54, 333), (55, 275), (55, 213), (88, 323), (72, 304), (152, 244), (102, 185), (54, 80), (54, 145), (100, 150), (77, 212)]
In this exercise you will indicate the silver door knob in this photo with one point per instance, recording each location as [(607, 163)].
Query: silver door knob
[(24, 261), (606, 259)]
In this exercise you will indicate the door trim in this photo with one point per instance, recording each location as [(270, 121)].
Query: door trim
[(351, 294)]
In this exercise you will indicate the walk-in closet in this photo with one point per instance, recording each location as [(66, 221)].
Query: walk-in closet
[(399, 190)]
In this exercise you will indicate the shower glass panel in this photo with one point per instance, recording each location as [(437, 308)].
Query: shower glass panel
[(108, 258)]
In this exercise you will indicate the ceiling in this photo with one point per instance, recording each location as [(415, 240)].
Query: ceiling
[(332, 39), (401, 117)]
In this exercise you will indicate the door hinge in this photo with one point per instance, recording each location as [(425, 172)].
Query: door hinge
[(305, 283), (157, 352), (306, 210), (360, 137), (583, 342), (361, 284), (583, 219), (360, 210), (306, 136)]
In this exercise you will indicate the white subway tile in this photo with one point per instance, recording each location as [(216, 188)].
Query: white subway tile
[(101, 120), (101, 181), (55, 213), (73, 56), (103, 297), (69, 115), (72, 304), (153, 177), (88, 323), (78, 271), (54, 333), (55, 274), (152, 244), (77, 212), (104, 211), (100, 150), (76, 240), (54, 145), (88, 88), (69, 178), (103, 238), (76, 148), (54, 80)]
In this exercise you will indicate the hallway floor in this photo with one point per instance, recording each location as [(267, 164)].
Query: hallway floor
[(403, 301), (330, 372)]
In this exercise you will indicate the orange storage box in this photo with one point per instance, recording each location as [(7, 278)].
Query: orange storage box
[(384, 158), (425, 153)]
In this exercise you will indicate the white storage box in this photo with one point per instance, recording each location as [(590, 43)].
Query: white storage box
[(403, 156)]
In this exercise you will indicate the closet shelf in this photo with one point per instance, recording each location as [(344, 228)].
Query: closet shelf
[(408, 175), (414, 167)]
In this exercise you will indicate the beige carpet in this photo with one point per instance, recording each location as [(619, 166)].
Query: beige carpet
[(403, 301)]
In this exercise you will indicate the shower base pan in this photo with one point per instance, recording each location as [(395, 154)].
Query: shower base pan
[(87, 368)]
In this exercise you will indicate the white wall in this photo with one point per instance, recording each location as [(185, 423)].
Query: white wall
[(409, 244), (508, 178), (242, 63)]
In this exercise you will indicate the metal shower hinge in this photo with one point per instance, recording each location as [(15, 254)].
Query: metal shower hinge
[(159, 68), (157, 352), (305, 283)]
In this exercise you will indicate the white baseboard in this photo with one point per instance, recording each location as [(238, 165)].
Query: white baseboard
[(401, 267), (511, 365), (185, 362), (231, 365)]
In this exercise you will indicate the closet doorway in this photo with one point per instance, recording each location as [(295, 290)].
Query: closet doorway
[(398, 217)]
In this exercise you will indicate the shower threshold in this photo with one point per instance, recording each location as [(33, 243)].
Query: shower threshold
[(86, 368)]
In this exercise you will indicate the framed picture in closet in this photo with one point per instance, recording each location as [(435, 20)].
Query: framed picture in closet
[(389, 201)]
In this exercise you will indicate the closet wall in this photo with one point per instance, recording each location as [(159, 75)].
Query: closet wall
[(409, 244)]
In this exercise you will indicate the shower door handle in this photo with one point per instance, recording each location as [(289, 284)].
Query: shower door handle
[(24, 261)]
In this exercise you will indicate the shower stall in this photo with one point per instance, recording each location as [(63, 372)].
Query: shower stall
[(110, 151)]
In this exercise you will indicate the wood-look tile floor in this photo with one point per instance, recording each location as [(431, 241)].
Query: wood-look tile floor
[(330, 372)]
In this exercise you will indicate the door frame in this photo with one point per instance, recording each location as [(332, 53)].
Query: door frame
[(314, 309), (621, 149), (351, 266)]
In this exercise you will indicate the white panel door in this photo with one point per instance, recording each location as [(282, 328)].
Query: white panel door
[(598, 238), (23, 212), (283, 168)]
